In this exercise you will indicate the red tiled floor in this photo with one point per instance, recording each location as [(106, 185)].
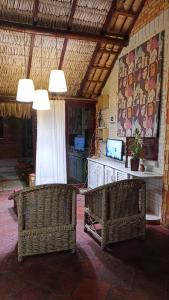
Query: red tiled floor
[(89, 289), (129, 270)]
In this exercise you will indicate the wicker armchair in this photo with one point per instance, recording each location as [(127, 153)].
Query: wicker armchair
[(46, 219), (115, 212)]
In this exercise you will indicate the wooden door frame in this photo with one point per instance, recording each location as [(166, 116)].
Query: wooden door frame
[(79, 103)]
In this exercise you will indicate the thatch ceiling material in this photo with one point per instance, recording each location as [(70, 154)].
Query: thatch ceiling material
[(83, 37), (17, 110)]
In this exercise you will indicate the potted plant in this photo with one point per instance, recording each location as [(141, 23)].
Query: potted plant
[(136, 151)]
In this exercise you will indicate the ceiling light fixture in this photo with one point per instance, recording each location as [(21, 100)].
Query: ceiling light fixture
[(41, 98), (25, 89), (57, 81)]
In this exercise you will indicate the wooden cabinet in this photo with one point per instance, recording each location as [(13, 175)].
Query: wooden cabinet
[(95, 174), (109, 174), (80, 127), (112, 175), (99, 174), (77, 167), (102, 171), (119, 175)]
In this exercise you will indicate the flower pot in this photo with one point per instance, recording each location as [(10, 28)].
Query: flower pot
[(134, 164)]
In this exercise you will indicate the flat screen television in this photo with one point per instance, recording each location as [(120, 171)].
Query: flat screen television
[(114, 149), (79, 143)]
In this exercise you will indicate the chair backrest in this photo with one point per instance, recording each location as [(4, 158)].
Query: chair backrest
[(46, 205), (117, 199), (125, 198)]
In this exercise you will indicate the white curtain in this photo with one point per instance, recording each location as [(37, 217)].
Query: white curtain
[(51, 148)]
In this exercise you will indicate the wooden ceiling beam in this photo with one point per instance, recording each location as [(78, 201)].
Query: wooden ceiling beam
[(89, 69), (63, 54), (102, 38), (73, 8), (111, 67), (138, 12), (100, 67), (30, 56), (66, 40), (125, 13), (35, 13), (106, 51), (12, 99), (109, 15), (97, 48), (106, 77)]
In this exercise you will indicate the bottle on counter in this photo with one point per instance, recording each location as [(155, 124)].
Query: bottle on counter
[(142, 167)]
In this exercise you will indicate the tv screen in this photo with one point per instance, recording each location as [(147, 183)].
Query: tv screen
[(79, 143), (114, 149)]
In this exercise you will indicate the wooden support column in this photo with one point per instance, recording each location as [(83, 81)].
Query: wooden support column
[(165, 198)]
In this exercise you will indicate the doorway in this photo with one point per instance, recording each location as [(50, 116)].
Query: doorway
[(80, 132)]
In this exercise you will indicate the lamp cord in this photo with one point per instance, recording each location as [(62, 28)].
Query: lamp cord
[(41, 62), (56, 56), (24, 54)]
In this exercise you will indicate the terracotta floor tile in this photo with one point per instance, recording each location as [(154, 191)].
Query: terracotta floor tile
[(89, 289), (132, 270)]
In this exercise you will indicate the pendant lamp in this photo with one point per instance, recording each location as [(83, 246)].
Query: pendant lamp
[(57, 81), (41, 98), (25, 90), (41, 101)]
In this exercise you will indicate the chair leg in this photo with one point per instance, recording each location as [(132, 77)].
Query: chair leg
[(103, 242), (143, 237), (20, 258), (74, 249)]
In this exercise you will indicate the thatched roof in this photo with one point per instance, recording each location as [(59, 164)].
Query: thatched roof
[(82, 37)]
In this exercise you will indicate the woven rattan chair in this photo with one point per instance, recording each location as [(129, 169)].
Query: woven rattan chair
[(46, 219), (115, 212)]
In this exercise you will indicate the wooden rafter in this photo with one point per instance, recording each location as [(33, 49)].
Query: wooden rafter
[(116, 12), (107, 76), (128, 13), (66, 40), (100, 67), (98, 80), (35, 13), (138, 12), (73, 8), (111, 51), (97, 48), (109, 15), (108, 39), (12, 99), (30, 56), (63, 54), (89, 68)]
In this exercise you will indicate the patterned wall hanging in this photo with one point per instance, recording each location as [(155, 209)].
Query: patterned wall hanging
[(140, 78)]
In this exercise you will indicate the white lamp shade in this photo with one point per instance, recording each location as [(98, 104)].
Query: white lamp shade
[(25, 90), (41, 101), (57, 82)]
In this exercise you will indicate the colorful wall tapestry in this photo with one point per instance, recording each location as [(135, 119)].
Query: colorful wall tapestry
[(140, 77)]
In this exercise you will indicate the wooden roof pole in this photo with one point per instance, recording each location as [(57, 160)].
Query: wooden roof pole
[(66, 39), (106, 23), (112, 38), (35, 13), (130, 28)]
